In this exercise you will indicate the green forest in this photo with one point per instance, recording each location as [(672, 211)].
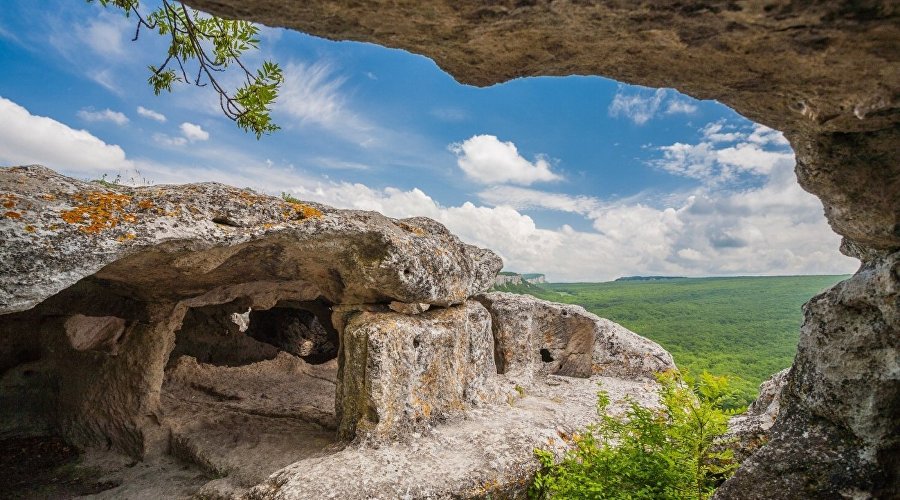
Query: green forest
[(743, 327)]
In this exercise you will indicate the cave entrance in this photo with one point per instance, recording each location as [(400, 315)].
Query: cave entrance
[(247, 392)]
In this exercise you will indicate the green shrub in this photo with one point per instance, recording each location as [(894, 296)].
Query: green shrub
[(668, 452)]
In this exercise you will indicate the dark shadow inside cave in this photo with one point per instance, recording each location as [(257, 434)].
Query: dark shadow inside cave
[(247, 392)]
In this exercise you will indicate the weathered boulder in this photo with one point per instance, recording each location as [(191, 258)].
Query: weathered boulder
[(534, 336), (750, 430), (404, 373)]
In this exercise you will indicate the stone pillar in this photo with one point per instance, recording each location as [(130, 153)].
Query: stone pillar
[(109, 393), (403, 373)]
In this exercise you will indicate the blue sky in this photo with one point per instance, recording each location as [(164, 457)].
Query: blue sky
[(582, 178)]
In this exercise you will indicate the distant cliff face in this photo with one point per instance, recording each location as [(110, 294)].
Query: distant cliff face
[(508, 278), (825, 73)]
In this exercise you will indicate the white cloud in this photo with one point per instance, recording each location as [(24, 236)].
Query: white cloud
[(190, 132), (149, 113), (105, 34), (525, 198), (193, 132), (449, 114), (167, 140), (642, 104), (764, 135), (487, 160), (639, 107), (679, 106), (714, 132), (714, 162), (106, 115), (311, 93), (27, 139), (106, 80), (776, 228)]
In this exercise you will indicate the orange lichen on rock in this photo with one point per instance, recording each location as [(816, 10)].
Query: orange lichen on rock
[(9, 200), (418, 231), (126, 237), (304, 211), (12, 215), (29, 228), (98, 211), (250, 198), (145, 204)]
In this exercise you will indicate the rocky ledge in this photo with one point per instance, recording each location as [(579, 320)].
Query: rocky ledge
[(241, 345)]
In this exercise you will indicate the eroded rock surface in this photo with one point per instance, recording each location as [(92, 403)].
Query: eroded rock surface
[(404, 373), (272, 349), (534, 336), (750, 430), (174, 241)]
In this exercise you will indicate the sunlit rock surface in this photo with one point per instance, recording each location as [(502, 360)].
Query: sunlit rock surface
[(236, 345)]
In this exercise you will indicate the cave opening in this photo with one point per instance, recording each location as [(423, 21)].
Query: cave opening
[(249, 391)]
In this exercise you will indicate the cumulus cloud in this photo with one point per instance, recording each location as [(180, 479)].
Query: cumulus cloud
[(193, 132), (26, 139), (775, 228), (149, 113), (725, 154), (106, 115), (525, 198), (716, 228), (641, 105), (488, 160), (190, 132)]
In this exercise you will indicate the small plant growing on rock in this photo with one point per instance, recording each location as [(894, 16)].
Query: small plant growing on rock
[(668, 452), (290, 199), (107, 183)]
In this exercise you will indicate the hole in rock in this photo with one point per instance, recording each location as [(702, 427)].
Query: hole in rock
[(247, 393), (546, 357), (297, 331)]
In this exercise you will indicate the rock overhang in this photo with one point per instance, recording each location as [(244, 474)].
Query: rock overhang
[(176, 242)]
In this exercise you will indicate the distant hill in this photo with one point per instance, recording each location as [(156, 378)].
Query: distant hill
[(743, 327), (648, 278)]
